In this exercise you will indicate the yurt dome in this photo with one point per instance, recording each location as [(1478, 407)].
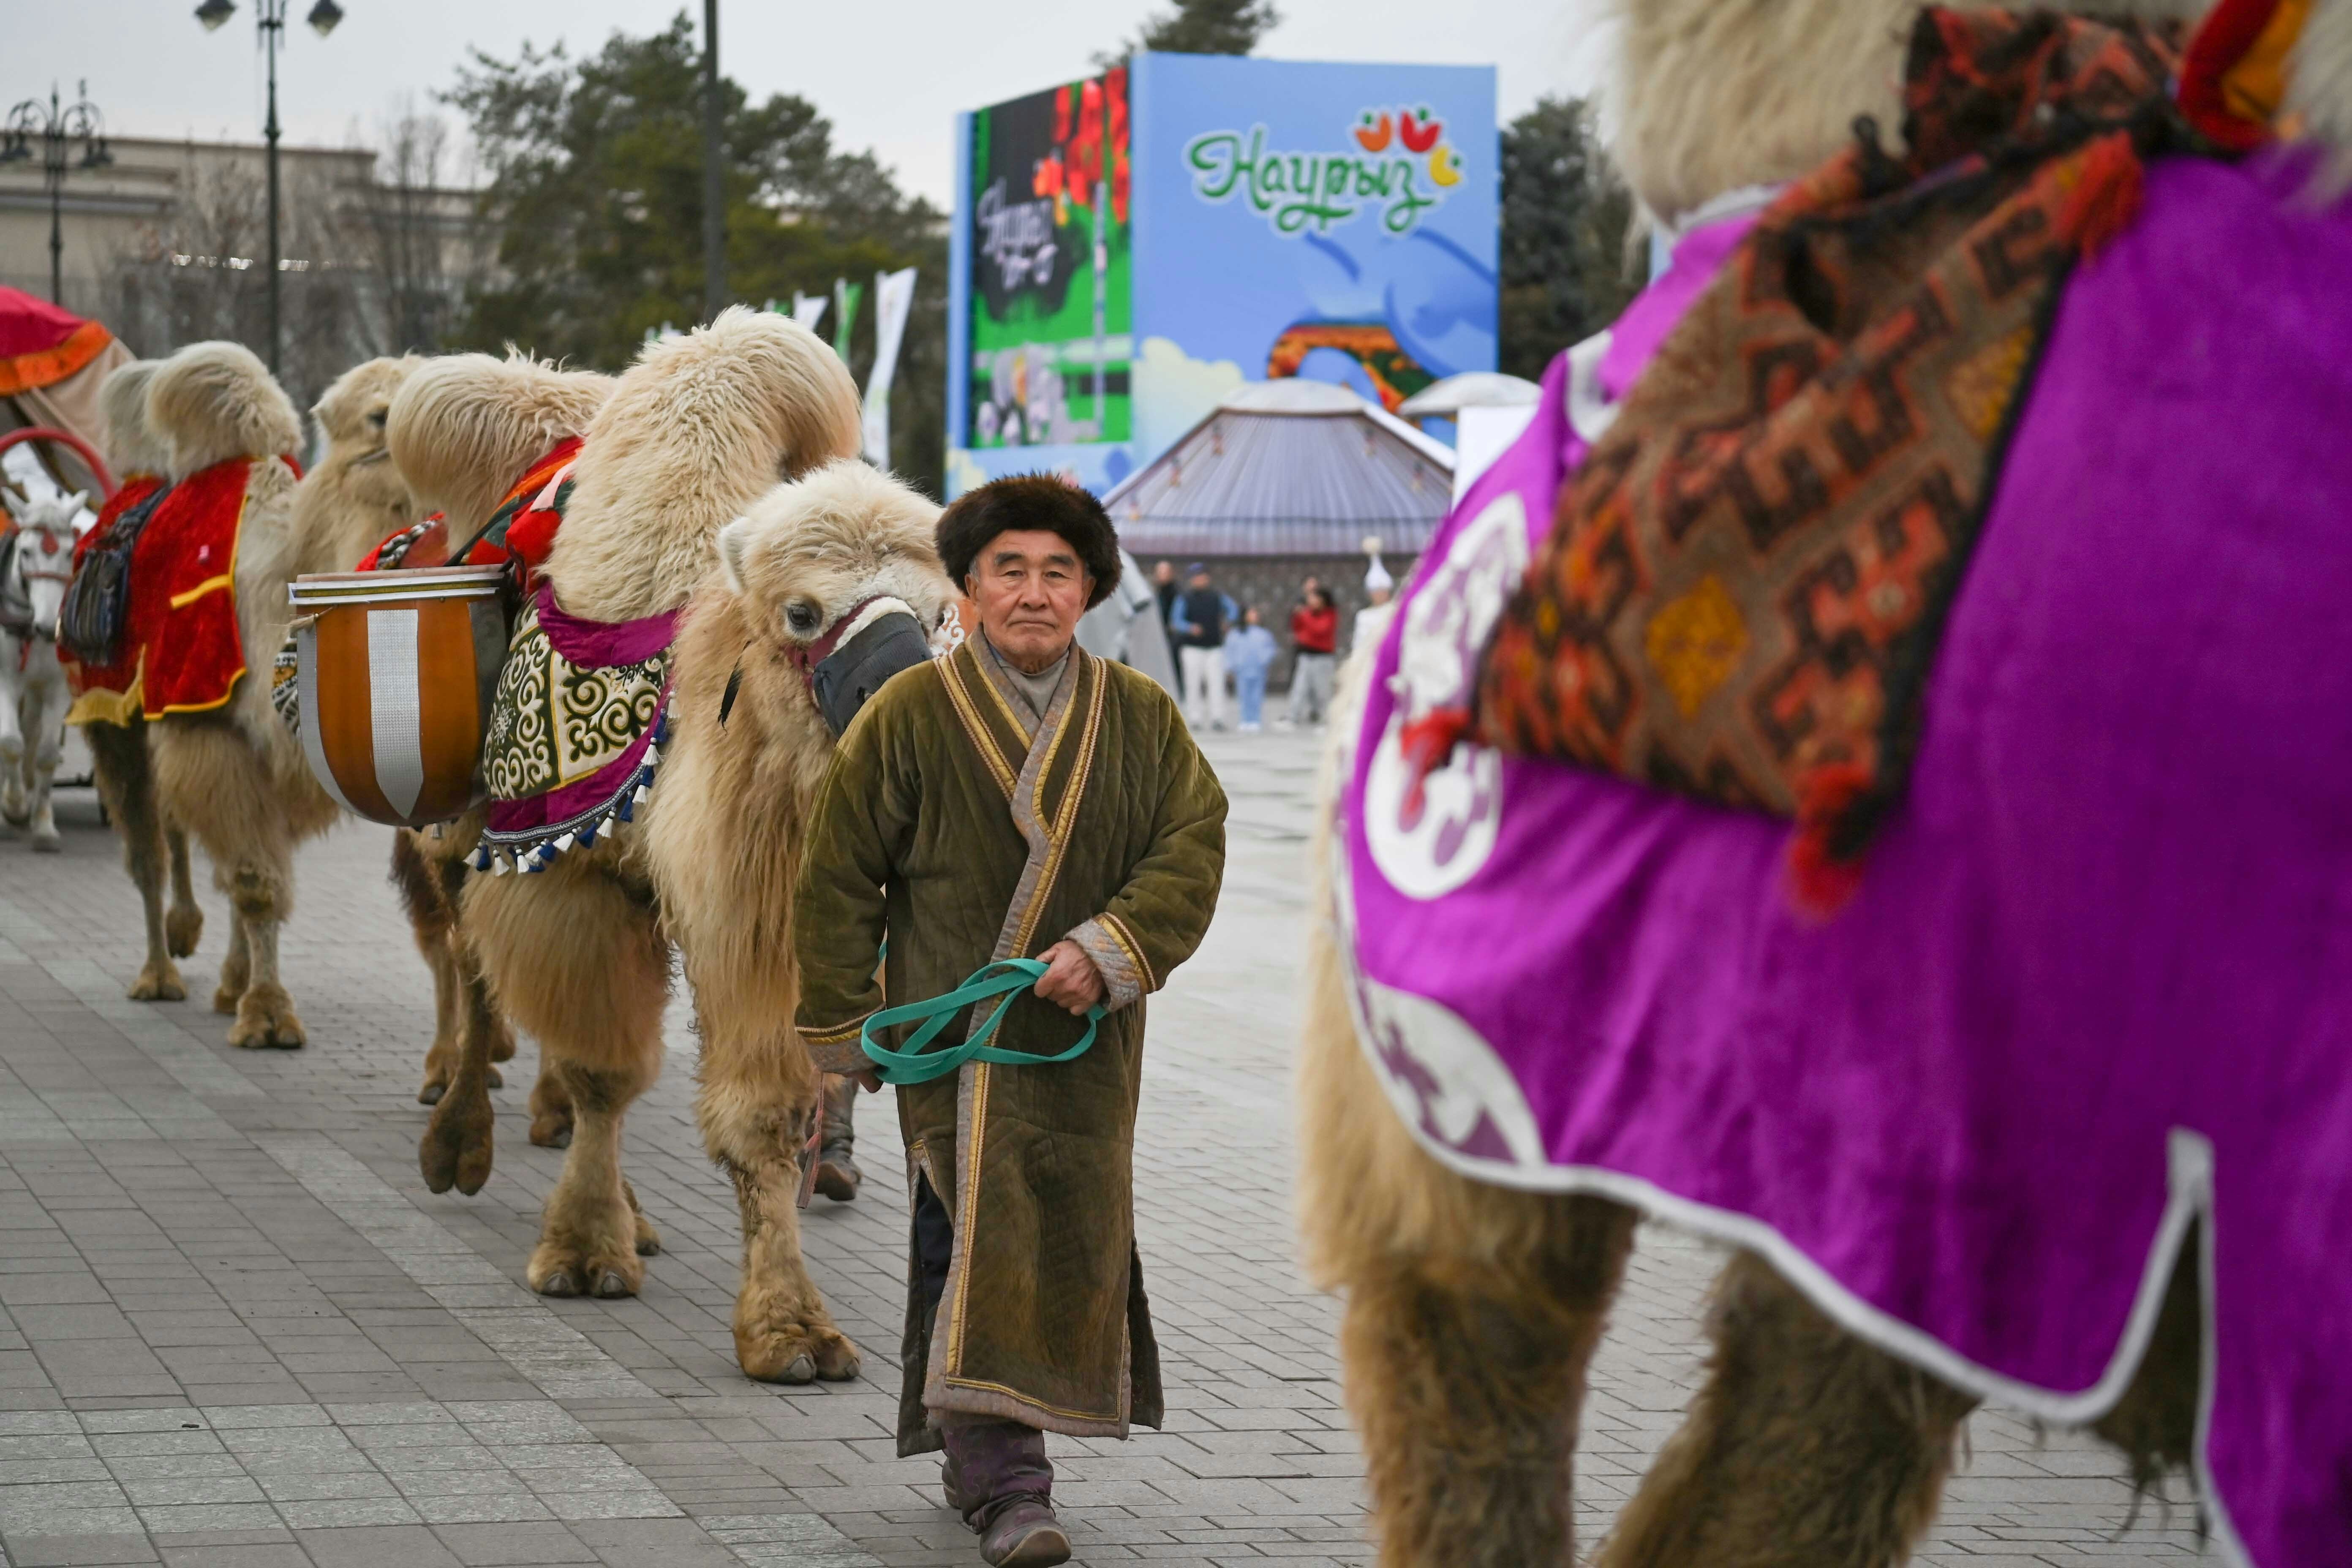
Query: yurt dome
[(1287, 467)]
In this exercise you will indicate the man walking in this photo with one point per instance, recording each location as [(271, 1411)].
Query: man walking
[(1017, 798), (1200, 621)]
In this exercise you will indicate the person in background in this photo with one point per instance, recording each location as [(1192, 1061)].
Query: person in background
[(1372, 620), (1313, 640), (1163, 587), (1250, 650), (1198, 624)]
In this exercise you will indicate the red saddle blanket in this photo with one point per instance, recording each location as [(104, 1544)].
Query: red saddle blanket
[(183, 592)]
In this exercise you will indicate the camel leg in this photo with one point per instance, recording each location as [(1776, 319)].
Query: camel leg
[(757, 1104), (262, 891), (575, 955), (551, 1107), (118, 759), (211, 780), (2154, 1422), (456, 1149), (183, 925), (1468, 1382), (429, 895), (1805, 1449), (236, 967), (1471, 1313)]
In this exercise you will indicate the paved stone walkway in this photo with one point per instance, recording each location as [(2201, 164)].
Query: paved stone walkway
[(238, 1332)]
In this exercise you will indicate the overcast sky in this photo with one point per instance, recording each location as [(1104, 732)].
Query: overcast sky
[(888, 73)]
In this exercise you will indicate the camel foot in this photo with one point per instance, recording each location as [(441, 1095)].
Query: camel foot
[(552, 1129), (16, 816), (436, 1084), (159, 983), (558, 1269), (431, 1093), (225, 999), (183, 926), (788, 1351), (265, 1021), (456, 1151), (48, 843), (502, 1045)]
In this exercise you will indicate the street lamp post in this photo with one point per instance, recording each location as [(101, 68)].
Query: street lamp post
[(271, 14), (56, 125)]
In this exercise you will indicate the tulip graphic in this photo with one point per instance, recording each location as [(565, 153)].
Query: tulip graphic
[(1372, 133), (1419, 133)]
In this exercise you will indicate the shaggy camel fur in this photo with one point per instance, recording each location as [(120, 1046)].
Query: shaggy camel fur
[(235, 776), (458, 432), (1473, 1309), (691, 437), (723, 840), (125, 781)]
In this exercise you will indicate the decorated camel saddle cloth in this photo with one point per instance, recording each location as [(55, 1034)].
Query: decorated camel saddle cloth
[(180, 650), (2082, 1002), (98, 607), (575, 735)]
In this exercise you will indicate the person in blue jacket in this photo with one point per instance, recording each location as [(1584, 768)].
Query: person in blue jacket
[(1250, 651)]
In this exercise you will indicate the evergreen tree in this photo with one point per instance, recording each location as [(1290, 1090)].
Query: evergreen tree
[(1566, 273), (596, 198), (1203, 27)]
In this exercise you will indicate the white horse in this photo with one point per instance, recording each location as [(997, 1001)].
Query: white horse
[(37, 561)]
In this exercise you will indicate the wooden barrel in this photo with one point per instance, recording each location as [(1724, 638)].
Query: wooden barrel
[(397, 672)]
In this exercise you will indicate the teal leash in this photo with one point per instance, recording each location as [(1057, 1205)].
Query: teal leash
[(1006, 977)]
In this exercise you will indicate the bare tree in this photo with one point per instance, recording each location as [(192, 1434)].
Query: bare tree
[(415, 239)]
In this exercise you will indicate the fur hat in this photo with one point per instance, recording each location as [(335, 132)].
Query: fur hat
[(1037, 502)]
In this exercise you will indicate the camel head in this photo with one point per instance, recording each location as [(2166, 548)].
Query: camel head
[(1713, 95), (131, 445), (355, 497), (463, 428), (695, 432), (836, 582), (214, 401)]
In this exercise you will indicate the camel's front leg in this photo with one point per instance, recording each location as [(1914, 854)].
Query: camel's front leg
[(1473, 1312), (429, 893), (1806, 1448), (756, 1125), (575, 956), (118, 759), (261, 892), (183, 925), (456, 1149)]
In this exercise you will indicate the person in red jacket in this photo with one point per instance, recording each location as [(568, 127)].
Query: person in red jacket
[(1314, 638)]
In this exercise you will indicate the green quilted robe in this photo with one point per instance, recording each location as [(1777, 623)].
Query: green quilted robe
[(967, 829)]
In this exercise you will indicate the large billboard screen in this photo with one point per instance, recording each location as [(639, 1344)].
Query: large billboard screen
[(1132, 249), (1050, 262)]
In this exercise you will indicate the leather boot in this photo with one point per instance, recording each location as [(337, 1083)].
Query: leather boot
[(837, 1172), (997, 1477)]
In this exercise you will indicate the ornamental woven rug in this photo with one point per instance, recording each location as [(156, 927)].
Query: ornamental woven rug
[(1744, 586), (575, 734)]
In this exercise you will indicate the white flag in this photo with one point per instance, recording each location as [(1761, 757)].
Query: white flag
[(809, 309), (894, 299)]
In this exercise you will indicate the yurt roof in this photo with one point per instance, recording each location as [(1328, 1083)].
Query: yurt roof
[(1287, 467)]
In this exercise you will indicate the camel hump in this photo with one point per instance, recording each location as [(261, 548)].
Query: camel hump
[(698, 429), (131, 445), (462, 428), (214, 401), (1713, 95)]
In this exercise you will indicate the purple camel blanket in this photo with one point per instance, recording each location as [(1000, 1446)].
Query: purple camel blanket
[(2096, 984)]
